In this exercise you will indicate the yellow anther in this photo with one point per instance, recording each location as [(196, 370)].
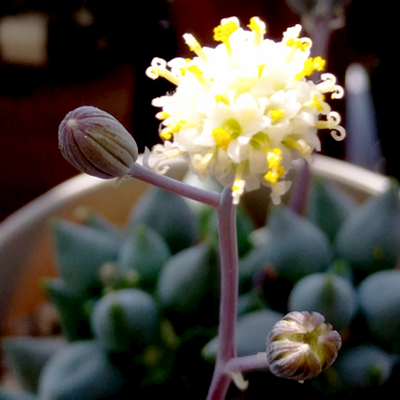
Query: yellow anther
[(298, 44), (222, 137), (259, 29), (274, 158), (300, 145), (276, 115), (194, 46), (311, 65), (222, 99), (162, 115), (238, 187), (273, 176), (223, 32), (167, 132), (317, 103), (198, 74), (261, 70)]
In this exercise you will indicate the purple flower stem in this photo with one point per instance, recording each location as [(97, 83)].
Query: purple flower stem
[(229, 291), (247, 363), (164, 182)]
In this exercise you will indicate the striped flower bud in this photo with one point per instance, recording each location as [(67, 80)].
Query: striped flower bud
[(96, 143), (301, 345)]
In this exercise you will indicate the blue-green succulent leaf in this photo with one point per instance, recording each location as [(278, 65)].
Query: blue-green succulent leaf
[(292, 246), (27, 356), (80, 253), (379, 296), (329, 207), (70, 308), (81, 370), (251, 333), (184, 280), (170, 216), (6, 394), (369, 240), (144, 251), (125, 320), (332, 296)]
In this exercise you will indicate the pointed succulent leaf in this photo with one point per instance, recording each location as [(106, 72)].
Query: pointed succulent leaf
[(293, 247), (97, 221), (6, 394), (183, 281), (80, 253), (170, 216), (369, 240), (363, 366), (379, 296), (329, 207), (332, 296), (81, 370), (27, 356), (73, 319), (144, 251), (251, 332), (125, 320)]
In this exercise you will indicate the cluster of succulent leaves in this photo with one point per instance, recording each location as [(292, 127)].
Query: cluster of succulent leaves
[(138, 307)]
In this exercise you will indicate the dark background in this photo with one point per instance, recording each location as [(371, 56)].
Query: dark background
[(103, 65)]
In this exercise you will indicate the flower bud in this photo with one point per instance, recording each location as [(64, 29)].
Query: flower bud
[(301, 345), (96, 143)]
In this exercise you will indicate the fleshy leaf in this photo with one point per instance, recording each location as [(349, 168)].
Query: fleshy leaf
[(125, 320), (369, 240), (183, 281), (80, 253), (292, 246), (170, 216), (6, 394), (27, 357), (144, 251), (73, 319), (328, 207), (251, 333), (81, 370), (332, 296), (379, 295)]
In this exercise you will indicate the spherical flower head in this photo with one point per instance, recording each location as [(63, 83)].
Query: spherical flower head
[(301, 345), (244, 110), (95, 142)]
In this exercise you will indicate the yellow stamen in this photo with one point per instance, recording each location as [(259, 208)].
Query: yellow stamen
[(222, 99), (311, 65), (167, 132), (276, 115), (260, 70), (198, 74), (273, 176), (223, 32), (300, 145), (194, 46), (317, 103), (274, 158), (259, 29), (222, 137), (162, 115), (298, 44)]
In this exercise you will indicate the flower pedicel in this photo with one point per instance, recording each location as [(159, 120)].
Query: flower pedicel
[(243, 111)]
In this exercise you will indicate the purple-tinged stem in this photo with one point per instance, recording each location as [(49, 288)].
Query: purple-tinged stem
[(246, 363), (229, 291), (164, 182)]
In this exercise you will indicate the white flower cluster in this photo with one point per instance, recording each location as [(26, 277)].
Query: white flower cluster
[(243, 111)]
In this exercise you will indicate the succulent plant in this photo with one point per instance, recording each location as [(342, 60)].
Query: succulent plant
[(141, 321)]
